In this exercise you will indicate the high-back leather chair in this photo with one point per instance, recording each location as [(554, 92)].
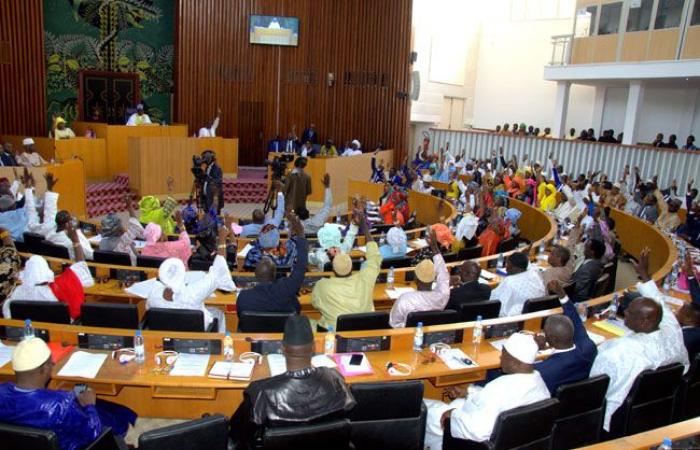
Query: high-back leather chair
[(114, 258), (388, 416), (377, 320), (541, 304), (488, 309), (581, 413), (109, 315), (262, 322), (207, 433), (166, 319), (15, 436), (432, 317), (319, 436), (40, 311), (688, 397)]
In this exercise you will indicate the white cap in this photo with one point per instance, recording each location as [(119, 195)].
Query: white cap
[(30, 354), (427, 179), (27, 141), (522, 347), (172, 274), (356, 142), (139, 106), (617, 185)]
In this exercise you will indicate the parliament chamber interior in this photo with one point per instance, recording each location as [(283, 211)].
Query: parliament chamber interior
[(315, 224)]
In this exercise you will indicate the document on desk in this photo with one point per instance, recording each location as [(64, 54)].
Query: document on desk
[(5, 354), (278, 365), (398, 292), (190, 365), (418, 243), (243, 253), (455, 358), (83, 365), (485, 274), (142, 288), (95, 239)]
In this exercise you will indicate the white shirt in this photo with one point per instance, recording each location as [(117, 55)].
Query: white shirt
[(48, 226), (62, 239), (351, 152), (514, 290), (435, 299), (315, 222), (319, 256), (43, 293), (135, 119), (624, 358), (209, 132), (193, 295)]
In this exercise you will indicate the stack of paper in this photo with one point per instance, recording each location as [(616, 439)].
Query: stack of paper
[(455, 358), (231, 370), (278, 365), (5, 354), (397, 292), (83, 365), (190, 365), (485, 274), (418, 243)]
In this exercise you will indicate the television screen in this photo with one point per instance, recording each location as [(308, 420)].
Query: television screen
[(274, 30)]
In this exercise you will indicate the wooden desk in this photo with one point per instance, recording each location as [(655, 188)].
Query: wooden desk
[(93, 153), (651, 438), (44, 146), (226, 152)]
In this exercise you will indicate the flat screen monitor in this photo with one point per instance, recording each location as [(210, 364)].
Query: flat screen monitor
[(274, 30)]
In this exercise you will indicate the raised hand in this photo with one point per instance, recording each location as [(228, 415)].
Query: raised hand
[(642, 266), (50, 181), (296, 228), (327, 180), (556, 287), (170, 182)]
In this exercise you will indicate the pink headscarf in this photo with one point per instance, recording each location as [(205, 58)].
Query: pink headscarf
[(152, 233)]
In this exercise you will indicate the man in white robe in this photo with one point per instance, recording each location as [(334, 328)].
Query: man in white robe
[(60, 235), (210, 131), (139, 117), (474, 417), (46, 224), (170, 291), (656, 341), (521, 284)]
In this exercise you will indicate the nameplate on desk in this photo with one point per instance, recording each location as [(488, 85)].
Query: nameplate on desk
[(445, 337), (104, 341), (193, 346), (266, 347), (363, 344), (17, 333)]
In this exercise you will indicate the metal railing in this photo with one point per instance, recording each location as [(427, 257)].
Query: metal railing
[(561, 49)]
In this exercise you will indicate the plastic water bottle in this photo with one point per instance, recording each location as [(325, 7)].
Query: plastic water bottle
[(382, 239), (614, 306), (500, 262), (543, 247), (667, 444), (418, 338), (139, 349), (478, 331), (337, 215), (329, 342), (667, 284), (390, 278), (229, 353), (28, 329)]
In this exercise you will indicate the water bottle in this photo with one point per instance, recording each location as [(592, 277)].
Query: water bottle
[(614, 305), (500, 262), (543, 247), (139, 350), (667, 444), (337, 215), (382, 239), (229, 353), (390, 278), (329, 342), (418, 338), (478, 331), (28, 329), (667, 284)]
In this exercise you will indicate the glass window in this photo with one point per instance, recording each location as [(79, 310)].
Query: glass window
[(585, 21), (669, 14), (695, 19), (610, 18), (640, 15)]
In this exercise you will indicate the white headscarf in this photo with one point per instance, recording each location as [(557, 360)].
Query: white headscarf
[(466, 228), (396, 238), (36, 271), (172, 274)]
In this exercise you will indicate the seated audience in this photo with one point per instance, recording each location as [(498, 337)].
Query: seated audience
[(210, 129), (259, 220), (39, 282), (473, 413), (116, 237), (10, 264), (396, 245), (66, 223), (270, 293), (522, 283), (586, 268), (7, 155), (354, 149), (659, 141), (689, 144), (13, 214), (671, 142), (152, 212), (656, 340), (346, 293), (29, 157), (77, 419), (328, 149), (560, 266), (572, 135), (303, 394), (314, 223), (170, 291), (426, 297), (60, 130), (157, 243), (330, 244), (139, 117), (42, 221), (689, 314), (268, 245), (668, 219), (470, 289)]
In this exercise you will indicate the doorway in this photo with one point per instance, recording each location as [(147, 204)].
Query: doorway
[(251, 138)]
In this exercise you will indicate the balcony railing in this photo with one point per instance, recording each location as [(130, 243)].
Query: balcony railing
[(561, 50)]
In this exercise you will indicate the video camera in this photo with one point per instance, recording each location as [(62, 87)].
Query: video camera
[(278, 167), (197, 168)]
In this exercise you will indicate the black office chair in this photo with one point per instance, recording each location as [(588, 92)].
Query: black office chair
[(114, 258), (40, 311), (688, 396), (488, 309), (109, 315), (581, 413), (32, 242), (649, 403), (507, 245), (320, 436), (207, 433), (149, 261), (262, 322), (541, 304), (108, 441), (524, 428), (396, 263), (470, 253), (378, 320), (16, 437), (432, 317), (46, 248), (388, 416), (451, 257), (199, 264), (601, 286), (166, 319)]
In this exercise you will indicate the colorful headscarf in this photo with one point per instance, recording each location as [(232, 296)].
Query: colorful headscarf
[(443, 234), (152, 233), (329, 236)]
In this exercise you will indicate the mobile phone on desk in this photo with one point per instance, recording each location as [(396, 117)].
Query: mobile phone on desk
[(80, 388), (356, 360)]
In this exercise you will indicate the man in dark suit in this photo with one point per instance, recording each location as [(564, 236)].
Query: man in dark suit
[(212, 190), (470, 290), (310, 135), (275, 144), (291, 144), (689, 315), (589, 271), (7, 157)]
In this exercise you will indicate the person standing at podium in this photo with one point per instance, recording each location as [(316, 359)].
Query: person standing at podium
[(139, 117), (210, 130)]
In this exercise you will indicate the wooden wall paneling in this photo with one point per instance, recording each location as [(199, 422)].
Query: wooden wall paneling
[(22, 79), (691, 46)]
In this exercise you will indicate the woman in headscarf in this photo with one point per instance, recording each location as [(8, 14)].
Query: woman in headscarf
[(10, 264), (492, 235), (152, 212), (157, 244), (206, 250), (396, 245), (40, 284), (117, 239), (170, 291), (547, 195), (512, 217), (397, 202), (332, 242)]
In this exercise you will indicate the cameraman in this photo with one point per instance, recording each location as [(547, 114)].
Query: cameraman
[(212, 182)]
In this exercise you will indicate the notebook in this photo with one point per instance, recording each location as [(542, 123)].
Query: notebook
[(612, 327), (83, 365), (231, 370)]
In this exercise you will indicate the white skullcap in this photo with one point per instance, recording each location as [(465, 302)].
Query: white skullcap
[(36, 271), (427, 179), (396, 238), (425, 271), (172, 274), (27, 141), (342, 264), (617, 185), (356, 142), (139, 106), (30, 354), (522, 347)]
